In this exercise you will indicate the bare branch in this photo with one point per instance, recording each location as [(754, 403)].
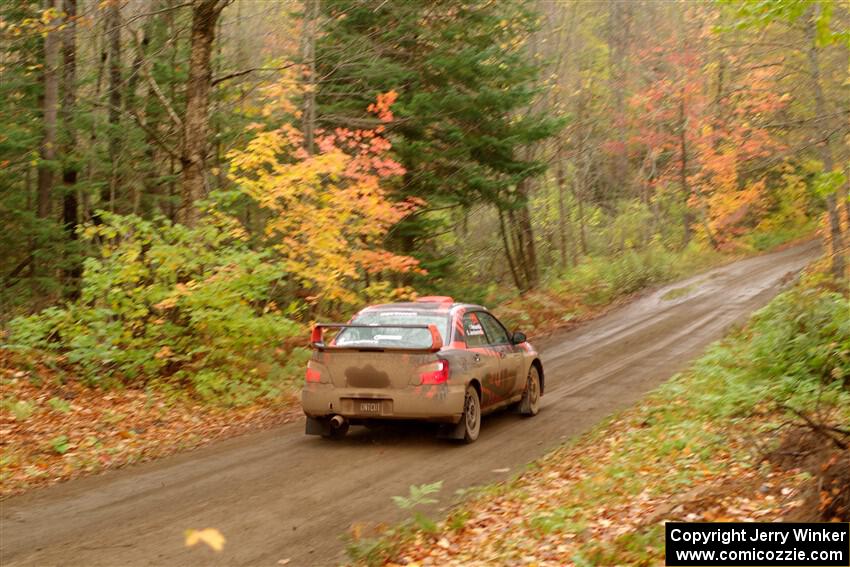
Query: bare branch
[(820, 428), (146, 73), (236, 74), (156, 12)]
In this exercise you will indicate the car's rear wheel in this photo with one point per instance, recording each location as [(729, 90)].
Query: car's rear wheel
[(471, 415), (530, 403)]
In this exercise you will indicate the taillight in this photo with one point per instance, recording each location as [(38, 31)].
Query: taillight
[(313, 375), (437, 373)]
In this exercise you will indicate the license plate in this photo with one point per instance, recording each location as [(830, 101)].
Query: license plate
[(369, 407)]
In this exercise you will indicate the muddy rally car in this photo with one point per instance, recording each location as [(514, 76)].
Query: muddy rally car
[(432, 360)]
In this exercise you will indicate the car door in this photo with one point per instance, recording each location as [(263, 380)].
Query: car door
[(487, 362), (510, 355)]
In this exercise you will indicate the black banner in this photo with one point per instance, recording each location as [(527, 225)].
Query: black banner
[(764, 544)]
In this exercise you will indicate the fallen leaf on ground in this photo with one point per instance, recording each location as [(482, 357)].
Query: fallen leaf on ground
[(210, 536)]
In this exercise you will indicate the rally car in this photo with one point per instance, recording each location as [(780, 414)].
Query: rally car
[(432, 359)]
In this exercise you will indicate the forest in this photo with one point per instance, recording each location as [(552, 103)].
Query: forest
[(185, 186)]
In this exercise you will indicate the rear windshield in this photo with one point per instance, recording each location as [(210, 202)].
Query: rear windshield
[(393, 337)]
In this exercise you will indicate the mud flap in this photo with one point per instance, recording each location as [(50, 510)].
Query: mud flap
[(452, 431), (317, 427)]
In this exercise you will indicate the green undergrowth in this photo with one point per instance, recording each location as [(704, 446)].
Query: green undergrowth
[(188, 311), (792, 358)]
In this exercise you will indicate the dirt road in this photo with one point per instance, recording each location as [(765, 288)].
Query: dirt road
[(280, 495)]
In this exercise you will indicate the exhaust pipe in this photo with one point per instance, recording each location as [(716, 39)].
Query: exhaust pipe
[(337, 421)]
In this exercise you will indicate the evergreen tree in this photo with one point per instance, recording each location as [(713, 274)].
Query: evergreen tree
[(464, 81)]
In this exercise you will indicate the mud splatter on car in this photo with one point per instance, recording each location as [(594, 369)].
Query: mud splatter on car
[(433, 360)]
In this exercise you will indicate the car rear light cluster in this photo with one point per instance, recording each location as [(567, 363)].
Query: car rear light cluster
[(313, 375), (438, 373)]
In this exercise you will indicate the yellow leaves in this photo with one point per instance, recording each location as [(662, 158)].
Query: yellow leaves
[(210, 536), (49, 15), (329, 212), (281, 96), (164, 353), (167, 303)]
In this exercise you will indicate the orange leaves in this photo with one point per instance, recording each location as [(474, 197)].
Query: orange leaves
[(382, 106), (377, 261), (329, 211), (704, 137)]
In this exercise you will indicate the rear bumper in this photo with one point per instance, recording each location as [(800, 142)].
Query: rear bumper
[(439, 403)]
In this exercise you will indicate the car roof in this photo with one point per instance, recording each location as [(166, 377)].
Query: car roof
[(438, 306)]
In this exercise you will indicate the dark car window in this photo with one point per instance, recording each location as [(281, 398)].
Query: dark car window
[(495, 332), (384, 334), (473, 331)]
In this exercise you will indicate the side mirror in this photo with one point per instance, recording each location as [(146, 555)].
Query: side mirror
[(518, 338)]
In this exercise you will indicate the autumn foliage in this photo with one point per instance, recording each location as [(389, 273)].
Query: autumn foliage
[(706, 140), (214, 312), (329, 211)]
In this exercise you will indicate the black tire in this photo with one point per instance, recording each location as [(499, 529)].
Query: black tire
[(471, 418), (530, 403)]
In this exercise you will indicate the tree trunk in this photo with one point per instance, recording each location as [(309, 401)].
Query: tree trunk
[(620, 18), (109, 191), (97, 38), (508, 254), (565, 232), (193, 154), (844, 193), (579, 198), (687, 218), (529, 248), (49, 111), (824, 146), (70, 207), (148, 196), (577, 187), (171, 209), (521, 234), (308, 55)]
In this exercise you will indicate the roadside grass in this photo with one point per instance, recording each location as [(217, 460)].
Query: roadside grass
[(705, 446)]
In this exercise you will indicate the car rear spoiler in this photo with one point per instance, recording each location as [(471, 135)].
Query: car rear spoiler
[(318, 343)]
